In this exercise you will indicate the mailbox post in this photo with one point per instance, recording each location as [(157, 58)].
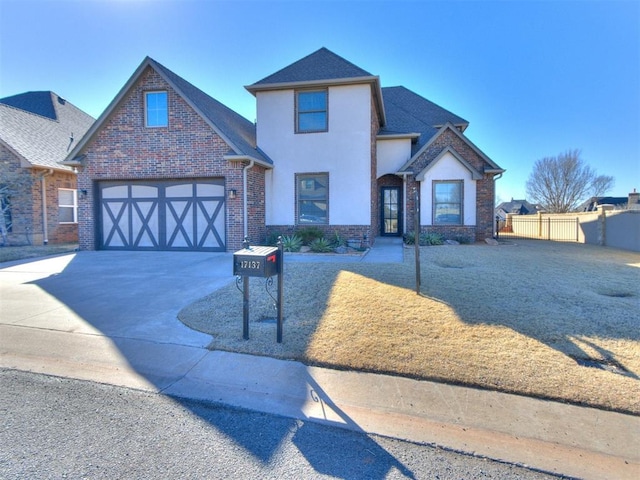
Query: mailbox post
[(263, 262)]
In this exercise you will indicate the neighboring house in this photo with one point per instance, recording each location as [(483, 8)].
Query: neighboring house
[(37, 131), (515, 207), (591, 205), (167, 167)]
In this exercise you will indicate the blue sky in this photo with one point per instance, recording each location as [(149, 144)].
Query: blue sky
[(534, 79)]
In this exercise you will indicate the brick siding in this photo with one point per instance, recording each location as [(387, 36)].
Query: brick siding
[(484, 189), (124, 149), (26, 203)]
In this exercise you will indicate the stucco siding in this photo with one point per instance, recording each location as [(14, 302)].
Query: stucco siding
[(448, 168), (344, 152), (392, 155)]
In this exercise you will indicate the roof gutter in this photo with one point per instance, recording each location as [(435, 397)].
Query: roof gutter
[(247, 158)]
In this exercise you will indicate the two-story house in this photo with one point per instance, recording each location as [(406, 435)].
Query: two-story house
[(168, 167)]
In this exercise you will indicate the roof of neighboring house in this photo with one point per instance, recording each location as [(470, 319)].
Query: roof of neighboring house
[(238, 132), (518, 207), (41, 128), (409, 112), (591, 205)]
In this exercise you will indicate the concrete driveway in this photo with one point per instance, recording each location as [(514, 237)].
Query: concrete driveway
[(108, 312), (119, 294)]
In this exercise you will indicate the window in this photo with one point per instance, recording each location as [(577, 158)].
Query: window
[(67, 206), (447, 203), (312, 196), (156, 111), (311, 111)]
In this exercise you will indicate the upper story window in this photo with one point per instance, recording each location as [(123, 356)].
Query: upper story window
[(311, 111), (67, 205), (447, 202), (156, 109)]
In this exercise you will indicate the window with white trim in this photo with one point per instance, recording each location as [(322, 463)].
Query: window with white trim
[(156, 109), (67, 205), (311, 111), (447, 202), (312, 197)]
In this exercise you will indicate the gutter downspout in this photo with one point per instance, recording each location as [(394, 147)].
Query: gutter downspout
[(43, 186), (245, 200)]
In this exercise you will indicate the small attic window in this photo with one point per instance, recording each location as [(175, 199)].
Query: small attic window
[(156, 111)]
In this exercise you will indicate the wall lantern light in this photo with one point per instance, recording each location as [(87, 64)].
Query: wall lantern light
[(232, 194)]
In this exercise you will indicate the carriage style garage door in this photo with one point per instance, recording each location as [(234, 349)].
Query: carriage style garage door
[(185, 214)]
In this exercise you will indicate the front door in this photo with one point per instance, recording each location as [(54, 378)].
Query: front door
[(391, 211)]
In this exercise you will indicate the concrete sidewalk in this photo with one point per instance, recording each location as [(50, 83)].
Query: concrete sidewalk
[(110, 317)]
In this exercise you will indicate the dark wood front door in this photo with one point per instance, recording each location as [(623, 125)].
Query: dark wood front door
[(391, 211)]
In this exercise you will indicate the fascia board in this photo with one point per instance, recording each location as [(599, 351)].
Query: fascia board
[(195, 108), (247, 158), (453, 128), (398, 136), (253, 89), (373, 80), (109, 110)]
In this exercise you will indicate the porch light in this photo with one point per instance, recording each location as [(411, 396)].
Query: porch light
[(232, 194)]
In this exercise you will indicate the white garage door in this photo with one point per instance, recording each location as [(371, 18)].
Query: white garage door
[(162, 215)]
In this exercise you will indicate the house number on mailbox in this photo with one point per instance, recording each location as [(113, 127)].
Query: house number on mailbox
[(262, 262)]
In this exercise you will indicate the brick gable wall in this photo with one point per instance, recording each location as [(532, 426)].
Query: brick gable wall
[(124, 149), (485, 187)]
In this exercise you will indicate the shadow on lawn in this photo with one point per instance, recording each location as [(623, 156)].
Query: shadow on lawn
[(133, 299)]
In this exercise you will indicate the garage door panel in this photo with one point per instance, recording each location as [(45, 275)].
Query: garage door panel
[(167, 215)]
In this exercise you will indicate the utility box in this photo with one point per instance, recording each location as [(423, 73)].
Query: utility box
[(257, 262)]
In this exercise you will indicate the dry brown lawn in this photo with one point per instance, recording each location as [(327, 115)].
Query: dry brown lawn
[(551, 320)]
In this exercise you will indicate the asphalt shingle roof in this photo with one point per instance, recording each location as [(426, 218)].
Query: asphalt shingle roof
[(320, 65), (39, 126), (240, 131), (408, 112)]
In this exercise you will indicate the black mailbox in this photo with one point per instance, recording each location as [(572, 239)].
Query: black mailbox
[(256, 262)]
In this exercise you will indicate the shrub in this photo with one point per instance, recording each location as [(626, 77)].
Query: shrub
[(409, 238), (272, 239), (308, 234), (426, 239), (337, 240), (431, 239), (321, 245), (291, 243)]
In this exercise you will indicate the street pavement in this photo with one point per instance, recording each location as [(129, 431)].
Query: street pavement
[(110, 317)]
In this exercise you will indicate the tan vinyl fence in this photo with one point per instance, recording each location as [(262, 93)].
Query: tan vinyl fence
[(611, 228)]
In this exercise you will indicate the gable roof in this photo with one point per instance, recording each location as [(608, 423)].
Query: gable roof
[(475, 174), (321, 68), (490, 167), (41, 128), (409, 112), (238, 132)]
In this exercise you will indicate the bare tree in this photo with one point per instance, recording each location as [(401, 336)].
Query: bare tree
[(561, 183)]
